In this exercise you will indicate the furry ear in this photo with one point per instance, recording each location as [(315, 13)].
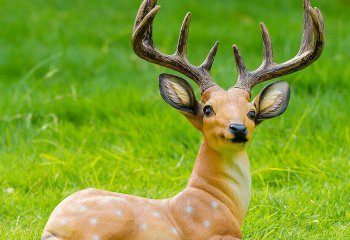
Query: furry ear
[(178, 93), (272, 101)]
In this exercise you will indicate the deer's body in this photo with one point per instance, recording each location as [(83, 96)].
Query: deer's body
[(216, 199), (213, 204)]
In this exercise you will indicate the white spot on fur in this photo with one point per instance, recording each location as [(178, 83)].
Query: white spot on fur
[(82, 208), (189, 209), (174, 231), (93, 221), (214, 204), (156, 214), (206, 223), (107, 200), (112, 200), (64, 221), (96, 237), (143, 226), (119, 213)]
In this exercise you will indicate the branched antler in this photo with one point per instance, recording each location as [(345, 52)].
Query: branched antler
[(143, 46), (310, 50)]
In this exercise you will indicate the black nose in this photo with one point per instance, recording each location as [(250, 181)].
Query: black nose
[(238, 129)]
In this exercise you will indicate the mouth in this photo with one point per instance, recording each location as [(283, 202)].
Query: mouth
[(238, 139)]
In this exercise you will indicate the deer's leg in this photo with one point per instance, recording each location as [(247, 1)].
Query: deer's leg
[(50, 236)]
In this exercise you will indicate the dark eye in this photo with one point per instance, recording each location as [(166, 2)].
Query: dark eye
[(251, 114), (208, 110)]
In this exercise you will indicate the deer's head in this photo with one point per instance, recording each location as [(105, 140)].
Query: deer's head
[(227, 119)]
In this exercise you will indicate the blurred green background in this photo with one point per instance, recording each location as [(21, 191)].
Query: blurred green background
[(78, 109)]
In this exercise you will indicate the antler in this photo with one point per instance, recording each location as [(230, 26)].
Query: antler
[(313, 33), (143, 46)]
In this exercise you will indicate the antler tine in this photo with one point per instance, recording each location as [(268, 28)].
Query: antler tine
[(145, 7), (208, 62), (143, 47), (306, 40), (268, 51), (182, 43), (317, 19), (320, 18), (143, 32), (311, 47), (241, 68)]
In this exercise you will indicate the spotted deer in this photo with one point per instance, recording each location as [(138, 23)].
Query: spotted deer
[(217, 196)]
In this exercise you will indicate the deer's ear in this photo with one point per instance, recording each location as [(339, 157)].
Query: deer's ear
[(272, 101), (178, 93)]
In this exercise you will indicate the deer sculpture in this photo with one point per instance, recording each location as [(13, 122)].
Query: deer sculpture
[(216, 199)]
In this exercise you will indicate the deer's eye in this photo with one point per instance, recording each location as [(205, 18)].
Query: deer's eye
[(251, 114), (208, 110)]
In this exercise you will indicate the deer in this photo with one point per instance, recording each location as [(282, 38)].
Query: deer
[(216, 199)]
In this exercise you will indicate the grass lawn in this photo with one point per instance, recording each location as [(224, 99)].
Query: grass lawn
[(78, 109)]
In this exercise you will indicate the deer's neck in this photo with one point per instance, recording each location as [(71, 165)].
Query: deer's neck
[(226, 176)]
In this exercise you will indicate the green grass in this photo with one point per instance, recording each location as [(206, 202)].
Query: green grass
[(78, 109)]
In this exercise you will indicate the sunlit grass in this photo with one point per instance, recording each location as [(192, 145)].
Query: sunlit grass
[(79, 110)]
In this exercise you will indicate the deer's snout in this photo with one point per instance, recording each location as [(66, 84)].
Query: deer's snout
[(240, 131)]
